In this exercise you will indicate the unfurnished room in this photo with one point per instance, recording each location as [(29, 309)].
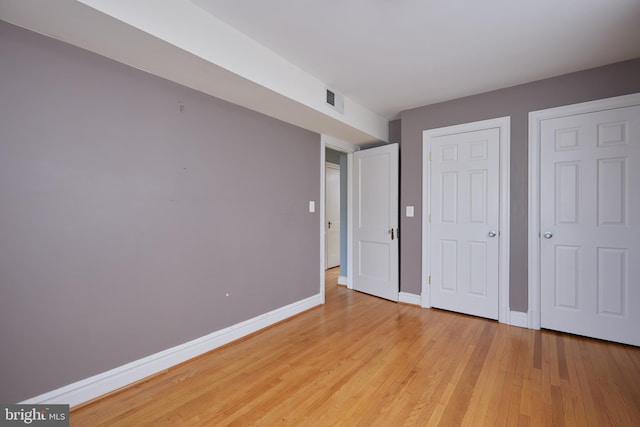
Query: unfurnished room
[(302, 213)]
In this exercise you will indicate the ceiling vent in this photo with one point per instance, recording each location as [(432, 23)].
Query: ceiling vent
[(335, 100)]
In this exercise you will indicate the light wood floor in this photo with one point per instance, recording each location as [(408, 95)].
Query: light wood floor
[(363, 361)]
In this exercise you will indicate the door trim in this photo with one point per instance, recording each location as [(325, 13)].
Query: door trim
[(344, 147), (504, 124), (328, 165), (535, 121)]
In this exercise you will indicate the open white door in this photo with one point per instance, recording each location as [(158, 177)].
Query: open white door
[(375, 221)]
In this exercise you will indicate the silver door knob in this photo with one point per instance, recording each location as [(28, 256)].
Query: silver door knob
[(547, 234), (492, 233)]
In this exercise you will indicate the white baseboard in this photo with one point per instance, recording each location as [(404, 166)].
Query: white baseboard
[(342, 280), (408, 298), (518, 318), (97, 385)]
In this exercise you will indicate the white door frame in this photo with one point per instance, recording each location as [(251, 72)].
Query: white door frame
[(344, 147), (336, 167), (535, 120), (504, 124)]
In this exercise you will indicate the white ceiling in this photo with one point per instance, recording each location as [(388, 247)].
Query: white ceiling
[(385, 56), (393, 55)]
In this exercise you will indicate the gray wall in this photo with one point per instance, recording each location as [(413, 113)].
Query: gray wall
[(395, 131), (332, 156), (517, 102), (124, 222)]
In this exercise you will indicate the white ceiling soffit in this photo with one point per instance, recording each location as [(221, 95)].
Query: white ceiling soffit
[(394, 55), (178, 41)]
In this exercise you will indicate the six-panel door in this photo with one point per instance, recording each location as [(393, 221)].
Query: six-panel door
[(590, 228), (464, 241)]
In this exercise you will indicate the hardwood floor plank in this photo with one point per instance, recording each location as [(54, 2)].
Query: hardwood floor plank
[(360, 360), (557, 409), (537, 350), (562, 358), (459, 402)]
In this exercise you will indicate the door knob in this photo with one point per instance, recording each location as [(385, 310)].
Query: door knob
[(492, 233), (548, 234)]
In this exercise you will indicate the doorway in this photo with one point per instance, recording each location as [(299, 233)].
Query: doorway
[(338, 154), (347, 194)]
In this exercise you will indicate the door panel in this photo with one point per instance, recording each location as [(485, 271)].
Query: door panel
[(478, 268), (589, 219), (375, 173), (567, 278), (464, 203), (612, 281)]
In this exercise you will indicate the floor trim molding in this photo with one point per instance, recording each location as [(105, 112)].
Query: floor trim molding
[(519, 318), (98, 385), (408, 298)]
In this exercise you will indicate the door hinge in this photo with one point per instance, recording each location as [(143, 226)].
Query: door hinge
[(429, 218), (429, 279), (429, 155)]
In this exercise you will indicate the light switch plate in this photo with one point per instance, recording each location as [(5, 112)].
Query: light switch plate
[(410, 211), (312, 206)]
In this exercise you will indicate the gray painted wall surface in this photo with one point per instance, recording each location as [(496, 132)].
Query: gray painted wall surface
[(395, 131), (603, 82), (124, 222), (332, 156)]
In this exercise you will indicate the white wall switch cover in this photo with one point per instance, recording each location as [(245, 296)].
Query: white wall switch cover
[(410, 211), (312, 206)]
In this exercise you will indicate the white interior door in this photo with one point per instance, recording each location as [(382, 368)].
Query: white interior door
[(464, 226), (590, 224), (375, 220), (332, 215)]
